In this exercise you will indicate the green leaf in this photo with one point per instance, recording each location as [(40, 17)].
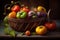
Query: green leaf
[(12, 33), (6, 30)]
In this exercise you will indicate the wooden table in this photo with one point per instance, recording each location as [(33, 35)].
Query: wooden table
[(49, 35)]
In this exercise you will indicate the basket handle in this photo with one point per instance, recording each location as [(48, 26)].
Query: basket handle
[(6, 8)]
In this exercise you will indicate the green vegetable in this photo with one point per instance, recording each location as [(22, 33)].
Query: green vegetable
[(9, 32), (6, 25), (6, 30), (5, 20), (12, 33), (21, 14)]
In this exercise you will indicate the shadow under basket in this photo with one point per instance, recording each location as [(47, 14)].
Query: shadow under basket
[(22, 25)]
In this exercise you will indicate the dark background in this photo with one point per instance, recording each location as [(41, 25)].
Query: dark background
[(54, 5)]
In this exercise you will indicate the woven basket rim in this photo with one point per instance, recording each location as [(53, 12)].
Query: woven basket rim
[(26, 20)]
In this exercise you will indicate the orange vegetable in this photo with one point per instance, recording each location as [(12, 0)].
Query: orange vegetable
[(12, 15), (27, 33)]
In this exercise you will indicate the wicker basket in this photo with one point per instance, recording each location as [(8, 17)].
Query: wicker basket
[(22, 25)]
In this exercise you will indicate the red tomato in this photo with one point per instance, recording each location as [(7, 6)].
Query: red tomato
[(25, 9), (15, 8), (50, 25)]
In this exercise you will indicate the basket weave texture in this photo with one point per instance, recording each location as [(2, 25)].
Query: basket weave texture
[(22, 25)]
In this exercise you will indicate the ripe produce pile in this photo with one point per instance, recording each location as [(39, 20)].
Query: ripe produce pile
[(24, 12)]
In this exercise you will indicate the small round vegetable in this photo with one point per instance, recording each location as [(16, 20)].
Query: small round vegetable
[(12, 15), (27, 33)]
